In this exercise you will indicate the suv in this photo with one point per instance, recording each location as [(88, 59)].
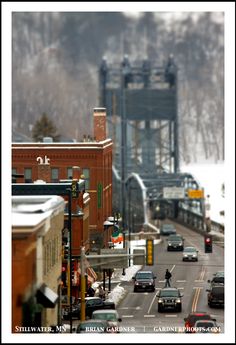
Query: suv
[(191, 319), (144, 280), (167, 229), (175, 242), (169, 298), (218, 279), (216, 295)]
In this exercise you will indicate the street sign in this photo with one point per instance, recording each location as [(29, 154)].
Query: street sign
[(195, 194), (140, 258), (173, 193), (113, 262)]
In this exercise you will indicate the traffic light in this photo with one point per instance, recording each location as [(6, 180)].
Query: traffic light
[(66, 251), (149, 252), (208, 243)]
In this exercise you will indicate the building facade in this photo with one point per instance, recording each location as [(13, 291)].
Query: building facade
[(92, 156), (37, 223)]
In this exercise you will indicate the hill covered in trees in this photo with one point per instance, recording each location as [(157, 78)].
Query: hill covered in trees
[(56, 57)]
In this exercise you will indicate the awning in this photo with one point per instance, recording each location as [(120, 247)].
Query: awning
[(46, 296)]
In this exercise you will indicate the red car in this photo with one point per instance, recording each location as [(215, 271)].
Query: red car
[(191, 319)]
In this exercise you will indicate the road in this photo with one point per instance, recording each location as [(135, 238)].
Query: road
[(139, 310)]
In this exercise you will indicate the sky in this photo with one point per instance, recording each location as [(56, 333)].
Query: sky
[(229, 173)]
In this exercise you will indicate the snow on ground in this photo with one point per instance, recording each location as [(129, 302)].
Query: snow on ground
[(118, 293)]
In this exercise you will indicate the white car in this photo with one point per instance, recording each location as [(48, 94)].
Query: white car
[(111, 316), (190, 254)]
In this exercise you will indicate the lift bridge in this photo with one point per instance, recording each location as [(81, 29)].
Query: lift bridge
[(141, 100)]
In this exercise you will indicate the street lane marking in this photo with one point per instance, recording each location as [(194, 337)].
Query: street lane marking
[(149, 315), (171, 315), (180, 281), (172, 268), (127, 316), (161, 281), (195, 298), (151, 304), (199, 281)]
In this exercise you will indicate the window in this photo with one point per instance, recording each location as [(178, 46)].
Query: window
[(69, 173), (86, 173), (13, 179), (28, 175), (54, 174)]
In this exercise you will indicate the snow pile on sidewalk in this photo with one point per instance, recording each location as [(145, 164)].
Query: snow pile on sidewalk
[(117, 294)]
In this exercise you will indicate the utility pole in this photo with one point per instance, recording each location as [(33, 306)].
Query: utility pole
[(82, 263), (69, 264)]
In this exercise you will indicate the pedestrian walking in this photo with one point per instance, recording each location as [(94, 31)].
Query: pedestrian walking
[(168, 276)]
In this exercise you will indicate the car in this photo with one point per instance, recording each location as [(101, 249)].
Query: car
[(92, 326), (111, 316), (191, 319), (217, 279), (169, 298), (206, 326), (215, 296), (190, 254), (144, 280), (167, 229), (91, 304), (175, 242)]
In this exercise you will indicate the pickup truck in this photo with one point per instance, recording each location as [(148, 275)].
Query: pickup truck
[(91, 304)]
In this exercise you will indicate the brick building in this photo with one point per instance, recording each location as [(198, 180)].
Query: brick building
[(93, 156)]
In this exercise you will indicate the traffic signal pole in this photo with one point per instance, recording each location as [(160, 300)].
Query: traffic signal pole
[(82, 263)]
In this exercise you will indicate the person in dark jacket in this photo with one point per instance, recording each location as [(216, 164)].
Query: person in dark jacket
[(90, 291), (168, 276)]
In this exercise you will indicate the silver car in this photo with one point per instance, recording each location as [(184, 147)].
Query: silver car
[(190, 254)]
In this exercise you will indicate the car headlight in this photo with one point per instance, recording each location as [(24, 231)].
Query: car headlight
[(160, 300), (180, 244), (169, 244), (194, 255), (178, 300), (185, 255)]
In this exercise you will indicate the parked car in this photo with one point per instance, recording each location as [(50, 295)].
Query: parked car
[(167, 229), (191, 319), (175, 242), (91, 304), (92, 326), (111, 316), (206, 326), (190, 254), (169, 298), (144, 280), (215, 296)]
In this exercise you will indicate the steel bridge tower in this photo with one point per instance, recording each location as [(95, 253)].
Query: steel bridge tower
[(142, 113)]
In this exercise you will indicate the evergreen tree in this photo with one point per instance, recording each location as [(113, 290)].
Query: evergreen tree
[(44, 127)]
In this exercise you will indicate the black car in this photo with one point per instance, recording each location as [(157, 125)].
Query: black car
[(91, 304), (169, 298), (216, 295), (144, 280), (167, 229), (218, 279), (175, 242)]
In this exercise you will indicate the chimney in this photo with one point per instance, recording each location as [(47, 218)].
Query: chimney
[(44, 170), (99, 122)]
